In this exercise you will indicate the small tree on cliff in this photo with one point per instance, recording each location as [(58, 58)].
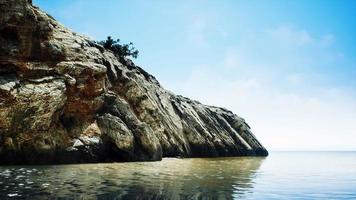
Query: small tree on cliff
[(121, 50)]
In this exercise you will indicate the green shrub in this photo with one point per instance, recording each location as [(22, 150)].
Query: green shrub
[(121, 50)]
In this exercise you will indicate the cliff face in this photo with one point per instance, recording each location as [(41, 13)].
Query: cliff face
[(65, 99)]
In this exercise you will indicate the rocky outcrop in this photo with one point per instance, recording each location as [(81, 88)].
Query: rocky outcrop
[(66, 99)]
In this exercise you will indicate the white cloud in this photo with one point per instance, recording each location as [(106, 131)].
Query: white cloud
[(281, 120), (296, 78), (284, 105), (232, 60), (197, 31), (201, 27), (291, 36)]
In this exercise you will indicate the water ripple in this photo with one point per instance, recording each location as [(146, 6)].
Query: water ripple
[(279, 176)]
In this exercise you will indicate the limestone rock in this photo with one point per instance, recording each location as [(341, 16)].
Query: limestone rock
[(66, 99)]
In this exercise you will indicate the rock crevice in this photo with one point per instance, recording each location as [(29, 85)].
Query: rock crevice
[(66, 99)]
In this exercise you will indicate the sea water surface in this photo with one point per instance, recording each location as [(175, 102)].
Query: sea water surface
[(282, 175)]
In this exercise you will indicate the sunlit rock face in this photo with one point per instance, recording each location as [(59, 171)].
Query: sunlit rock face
[(65, 99)]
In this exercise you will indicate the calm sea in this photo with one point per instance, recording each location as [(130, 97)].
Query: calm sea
[(282, 175)]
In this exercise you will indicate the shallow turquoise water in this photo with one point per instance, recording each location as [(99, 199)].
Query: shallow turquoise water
[(282, 175)]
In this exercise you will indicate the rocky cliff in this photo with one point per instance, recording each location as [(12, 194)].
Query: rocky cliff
[(66, 99)]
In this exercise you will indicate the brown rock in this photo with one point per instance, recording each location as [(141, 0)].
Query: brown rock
[(65, 99)]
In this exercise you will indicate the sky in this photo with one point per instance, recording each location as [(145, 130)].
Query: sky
[(287, 67)]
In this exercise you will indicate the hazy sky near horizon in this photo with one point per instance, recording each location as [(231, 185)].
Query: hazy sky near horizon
[(287, 67)]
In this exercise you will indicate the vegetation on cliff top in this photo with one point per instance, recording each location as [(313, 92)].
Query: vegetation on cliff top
[(121, 50)]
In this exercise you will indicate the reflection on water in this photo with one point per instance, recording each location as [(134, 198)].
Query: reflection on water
[(282, 175), (218, 178)]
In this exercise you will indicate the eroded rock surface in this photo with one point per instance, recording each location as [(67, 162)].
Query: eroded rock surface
[(65, 99)]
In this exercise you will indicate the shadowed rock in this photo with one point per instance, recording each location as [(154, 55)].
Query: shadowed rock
[(65, 99)]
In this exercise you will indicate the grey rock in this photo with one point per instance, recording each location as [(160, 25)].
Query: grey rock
[(65, 99)]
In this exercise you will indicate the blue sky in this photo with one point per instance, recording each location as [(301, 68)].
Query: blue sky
[(287, 67)]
